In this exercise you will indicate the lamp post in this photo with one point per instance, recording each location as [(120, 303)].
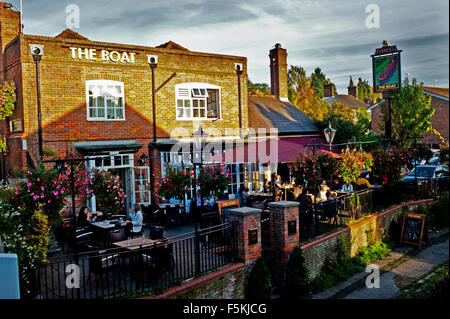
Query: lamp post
[(199, 138), (238, 68), (153, 62), (37, 52), (329, 133)]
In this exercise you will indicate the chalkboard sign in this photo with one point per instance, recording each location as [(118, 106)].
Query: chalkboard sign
[(413, 229)]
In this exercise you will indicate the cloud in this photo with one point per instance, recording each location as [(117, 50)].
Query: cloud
[(330, 34)]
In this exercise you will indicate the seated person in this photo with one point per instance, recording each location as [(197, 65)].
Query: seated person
[(292, 184), (324, 183), (136, 218), (347, 187), (362, 183), (304, 199), (84, 217), (278, 182), (323, 193), (245, 196)]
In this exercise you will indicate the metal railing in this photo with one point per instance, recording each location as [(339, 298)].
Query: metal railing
[(322, 217), (137, 270)]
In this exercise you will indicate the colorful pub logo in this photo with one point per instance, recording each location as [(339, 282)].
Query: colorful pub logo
[(386, 68)]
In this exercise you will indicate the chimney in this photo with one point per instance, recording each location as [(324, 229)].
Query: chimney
[(353, 91), (9, 24), (278, 73), (328, 90)]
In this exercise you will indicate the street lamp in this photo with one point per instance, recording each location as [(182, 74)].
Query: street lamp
[(143, 159), (37, 52), (199, 138), (153, 62), (239, 71), (329, 134)]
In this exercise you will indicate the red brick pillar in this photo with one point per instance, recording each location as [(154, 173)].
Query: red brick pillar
[(285, 236), (249, 233)]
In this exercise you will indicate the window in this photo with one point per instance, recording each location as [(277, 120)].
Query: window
[(197, 101), (105, 100), (16, 126)]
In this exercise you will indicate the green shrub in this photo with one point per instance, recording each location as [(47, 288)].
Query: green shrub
[(342, 267), (297, 282), (438, 214), (377, 251), (259, 283)]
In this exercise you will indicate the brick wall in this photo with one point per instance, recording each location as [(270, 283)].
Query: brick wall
[(63, 91), (439, 121), (227, 283), (351, 238)]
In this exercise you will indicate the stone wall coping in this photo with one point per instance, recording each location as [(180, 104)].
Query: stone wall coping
[(284, 204), (198, 281), (244, 211)]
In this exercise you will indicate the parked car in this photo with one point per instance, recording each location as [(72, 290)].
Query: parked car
[(427, 174)]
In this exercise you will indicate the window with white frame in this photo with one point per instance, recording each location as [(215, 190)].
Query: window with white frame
[(105, 100), (197, 101)]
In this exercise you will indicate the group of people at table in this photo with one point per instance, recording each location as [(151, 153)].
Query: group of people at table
[(135, 217)]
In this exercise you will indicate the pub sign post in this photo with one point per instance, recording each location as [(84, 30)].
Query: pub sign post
[(386, 69)]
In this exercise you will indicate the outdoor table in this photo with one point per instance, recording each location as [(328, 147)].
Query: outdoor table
[(106, 225), (138, 243)]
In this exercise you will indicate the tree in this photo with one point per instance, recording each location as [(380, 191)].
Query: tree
[(344, 111), (259, 283), (317, 81), (351, 82), (411, 113), (297, 282), (255, 87), (302, 95), (299, 85), (365, 91)]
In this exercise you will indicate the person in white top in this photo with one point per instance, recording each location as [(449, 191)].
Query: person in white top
[(323, 193), (136, 218), (347, 187)]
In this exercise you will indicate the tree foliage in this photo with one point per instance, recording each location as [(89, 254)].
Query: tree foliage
[(263, 88), (365, 91), (317, 81), (259, 283), (297, 282), (411, 113)]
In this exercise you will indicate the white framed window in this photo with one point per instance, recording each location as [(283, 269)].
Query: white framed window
[(105, 100), (197, 101)]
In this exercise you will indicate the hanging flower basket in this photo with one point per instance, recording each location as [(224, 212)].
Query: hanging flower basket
[(7, 100)]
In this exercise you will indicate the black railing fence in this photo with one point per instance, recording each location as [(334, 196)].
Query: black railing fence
[(322, 217), (134, 270)]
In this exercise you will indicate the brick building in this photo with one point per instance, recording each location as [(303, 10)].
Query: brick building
[(96, 102)]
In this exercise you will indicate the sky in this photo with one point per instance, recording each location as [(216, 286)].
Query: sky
[(330, 34)]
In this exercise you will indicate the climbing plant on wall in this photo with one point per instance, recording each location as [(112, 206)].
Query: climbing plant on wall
[(7, 99)]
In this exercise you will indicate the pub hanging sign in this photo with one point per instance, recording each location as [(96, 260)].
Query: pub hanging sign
[(386, 64)]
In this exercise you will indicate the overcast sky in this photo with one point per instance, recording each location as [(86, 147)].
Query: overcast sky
[(330, 34)]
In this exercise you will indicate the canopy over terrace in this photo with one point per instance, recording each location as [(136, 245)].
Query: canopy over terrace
[(272, 151)]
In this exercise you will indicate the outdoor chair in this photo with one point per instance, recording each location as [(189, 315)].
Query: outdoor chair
[(163, 257), (173, 216), (100, 264), (209, 220), (156, 232), (117, 235)]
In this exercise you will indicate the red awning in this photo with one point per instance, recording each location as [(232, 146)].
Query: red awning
[(271, 150)]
